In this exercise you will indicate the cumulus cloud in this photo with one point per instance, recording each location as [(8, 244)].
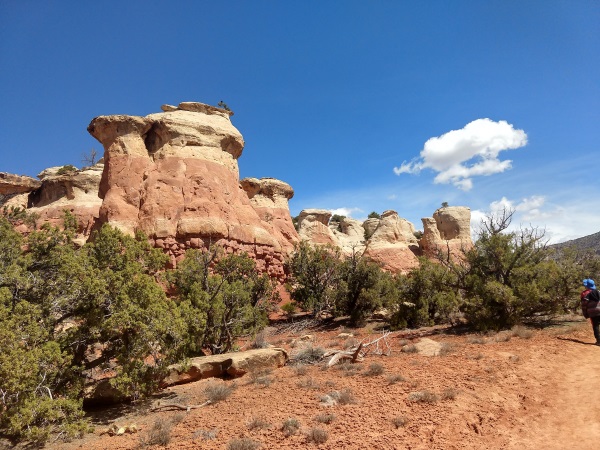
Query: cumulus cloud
[(345, 211), (560, 222), (459, 155)]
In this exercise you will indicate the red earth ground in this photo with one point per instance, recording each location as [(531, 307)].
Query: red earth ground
[(535, 391)]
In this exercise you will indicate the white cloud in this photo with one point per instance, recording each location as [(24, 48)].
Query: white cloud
[(345, 211), (561, 223), (459, 155)]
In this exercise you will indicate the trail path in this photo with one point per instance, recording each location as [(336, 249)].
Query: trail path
[(562, 410), (530, 392)]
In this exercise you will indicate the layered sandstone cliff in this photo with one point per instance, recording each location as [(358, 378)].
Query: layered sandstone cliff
[(58, 189), (174, 175), (393, 243), (391, 240), (448, 230)]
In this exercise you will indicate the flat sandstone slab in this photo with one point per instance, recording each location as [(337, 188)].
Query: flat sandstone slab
[(227, 364)]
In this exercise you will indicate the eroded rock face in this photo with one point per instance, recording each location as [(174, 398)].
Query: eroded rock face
[(269, 198), (350, 235), (11, 184), (313, 226), (174, 175), (393, 243), (228, 364), (449, 228), (74, 191)]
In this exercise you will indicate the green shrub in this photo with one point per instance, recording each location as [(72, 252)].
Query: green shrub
[(64, 170)]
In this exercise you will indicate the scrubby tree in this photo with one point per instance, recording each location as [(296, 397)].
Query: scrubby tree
[(57, 302), (221, 298), (313, 276), (427, 295), (363, 287)]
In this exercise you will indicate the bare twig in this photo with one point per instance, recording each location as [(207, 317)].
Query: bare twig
[(180, 407)]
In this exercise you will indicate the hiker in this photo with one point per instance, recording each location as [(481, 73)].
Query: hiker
[(590, 306)]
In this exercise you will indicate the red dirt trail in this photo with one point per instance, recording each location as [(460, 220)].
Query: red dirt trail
[(539, 392)]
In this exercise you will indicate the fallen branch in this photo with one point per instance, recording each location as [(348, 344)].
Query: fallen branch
[(180, 407), (341, 355), (377, 350)]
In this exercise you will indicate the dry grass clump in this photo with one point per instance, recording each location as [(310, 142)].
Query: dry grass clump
[(309, 383), (503, 336), (308, 355), (522, 332), (260, 340), (325, 418), (423, 397), (350, 343), (158, 434), (348, 369), (300, 369), (399, 421), (343, 397), (258, 423), (317, 435), (216, 392), (261, 377), (290, 426), (476, 356), (476, 340), (447, 348), (243, 444), (374, 370), (514, 358), (206, 435), (410, 348), (393, 379), (449, 394)]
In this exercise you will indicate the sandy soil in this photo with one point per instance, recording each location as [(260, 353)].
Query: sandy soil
[(492, 393)]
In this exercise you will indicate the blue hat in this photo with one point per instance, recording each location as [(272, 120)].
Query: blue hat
[(589, 283)]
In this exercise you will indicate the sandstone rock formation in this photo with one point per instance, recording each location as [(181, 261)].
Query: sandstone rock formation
[(228, 364), (313, 226), (269, 198), (449, 228), (350, 235), (174, 175), (393, 243), (75, 191), (15, 189), (17, 184)]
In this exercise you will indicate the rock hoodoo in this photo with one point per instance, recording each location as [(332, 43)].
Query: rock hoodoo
[(75, 191), (269, 198), (449, 228), (393, 243), (313, 226), (174, 175)]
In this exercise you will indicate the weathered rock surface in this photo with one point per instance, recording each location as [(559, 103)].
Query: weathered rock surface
[(449, 228), (74, 191), (313, 226), (350, 235), (393, 243), (227, 364), (269, 198), (174, 175), (11, 184)]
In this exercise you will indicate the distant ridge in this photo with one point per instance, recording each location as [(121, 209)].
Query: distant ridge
[(590, 243)]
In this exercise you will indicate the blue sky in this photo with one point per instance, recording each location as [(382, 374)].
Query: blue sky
[(340, 99)]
